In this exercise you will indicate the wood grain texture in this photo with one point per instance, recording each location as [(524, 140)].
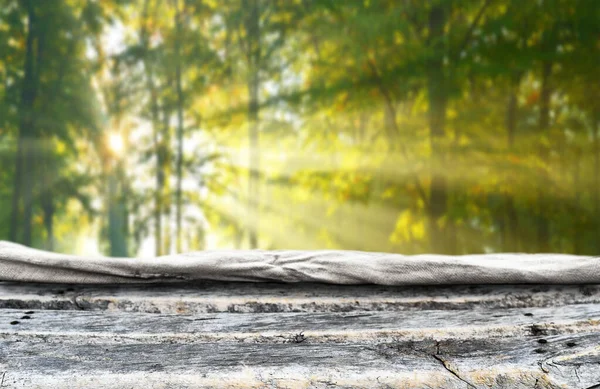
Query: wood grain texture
[(243, 297), (128, 327), (217, 335), (569, 361)]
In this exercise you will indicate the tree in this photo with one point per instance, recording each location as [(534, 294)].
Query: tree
[(441, 126)]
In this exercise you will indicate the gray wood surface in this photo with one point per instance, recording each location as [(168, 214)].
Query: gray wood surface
[(247, 297), (218, 335)]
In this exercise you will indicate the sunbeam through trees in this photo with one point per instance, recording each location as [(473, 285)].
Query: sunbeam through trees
[(149, 127)]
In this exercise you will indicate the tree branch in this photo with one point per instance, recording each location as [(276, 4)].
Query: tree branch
[(471, 29), (390, 106)]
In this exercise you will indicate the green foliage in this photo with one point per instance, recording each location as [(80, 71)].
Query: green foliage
[(375, 127)]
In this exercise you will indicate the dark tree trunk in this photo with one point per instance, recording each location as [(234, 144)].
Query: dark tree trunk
[(511, 117), (596, 183), (48, 167), (48, 210), (543, 222), (576, 209), (31, 151), (23, 184), (48, 178), (510, 241), (15, 212), (440, 231)]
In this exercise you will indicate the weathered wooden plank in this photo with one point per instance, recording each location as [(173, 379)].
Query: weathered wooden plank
[(268, 297), (129, 327), (562, 362), (198, 336), (510, 348)]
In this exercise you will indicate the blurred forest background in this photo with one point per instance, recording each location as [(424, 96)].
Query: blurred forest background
[(149, 127)]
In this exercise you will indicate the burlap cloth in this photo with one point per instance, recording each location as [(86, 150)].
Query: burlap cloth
[(20, 263)]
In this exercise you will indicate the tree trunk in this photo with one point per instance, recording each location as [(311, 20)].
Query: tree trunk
[(510, 242), (164, 174), (439, 230), (148, 67), (23, 184), (112, 167), (48, 174), (117, 228), (576, 209), (48, 167), (15, 212), (596, 183), (543, 225), (238, 238), (253, 29), (48, 210), (158, 195), (178, 193)]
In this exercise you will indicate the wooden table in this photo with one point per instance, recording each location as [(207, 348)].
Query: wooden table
[(217, 335)]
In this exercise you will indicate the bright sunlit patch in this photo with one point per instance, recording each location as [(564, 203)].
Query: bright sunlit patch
[(89, 246), (115, 143)]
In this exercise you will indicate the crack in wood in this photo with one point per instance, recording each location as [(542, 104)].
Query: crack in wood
[(447, 366), (577, 372)]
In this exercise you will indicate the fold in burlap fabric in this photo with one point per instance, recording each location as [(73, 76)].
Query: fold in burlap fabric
[(20, 263)]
